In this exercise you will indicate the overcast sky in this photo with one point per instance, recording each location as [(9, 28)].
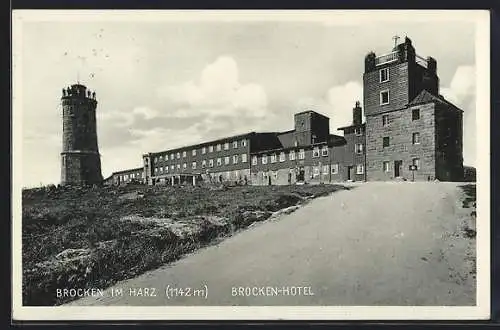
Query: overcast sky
[(165, 84)]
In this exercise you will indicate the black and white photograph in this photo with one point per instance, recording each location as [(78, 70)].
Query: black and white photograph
[(248, 165)]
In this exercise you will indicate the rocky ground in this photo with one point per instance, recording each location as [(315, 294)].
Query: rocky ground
[(378, 244), (94, 237)]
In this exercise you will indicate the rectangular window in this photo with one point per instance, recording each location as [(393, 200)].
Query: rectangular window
[(161, 169), (211, 162), (178, 166), (219, 161), (385, 120), (166, 170), (385, 141), (184, 166), (210, 148), (172, 167), (161, 158), (358, 147), (302, 154), (184, 154), (243, 158), (235, 144), (273, 158), (324, 151), (156, 169), (178, 155), (226, 146), (360, 169), (325, 169), (226, 160), (358, 131), (316, 152), (315, 171), (219, 147), (243, 143), (384, 75), (384, 97), (416, 162), (203, 150), (415, 114), (335, 168), (282, 157), (194, 152), (264, 159), (415, 138), (235, 159), (385, 166), (291, 156), (275, 174), (172, 157), (254, 160)]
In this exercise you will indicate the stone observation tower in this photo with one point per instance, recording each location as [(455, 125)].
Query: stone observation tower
[(80, 159)]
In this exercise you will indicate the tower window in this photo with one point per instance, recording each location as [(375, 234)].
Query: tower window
[(335, 168), (358, 148), (384, 75), (416, 138), (357, 131), (385, 166), (415, 114), (384, 97), (360, 169), (385, 141), (385, 120)]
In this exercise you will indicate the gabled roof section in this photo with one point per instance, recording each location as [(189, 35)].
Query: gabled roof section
[(426, 97)]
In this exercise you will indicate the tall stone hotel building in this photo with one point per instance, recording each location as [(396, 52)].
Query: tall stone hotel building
[(410, 131)]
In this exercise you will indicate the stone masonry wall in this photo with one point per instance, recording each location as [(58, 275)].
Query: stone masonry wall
[(399, 130)]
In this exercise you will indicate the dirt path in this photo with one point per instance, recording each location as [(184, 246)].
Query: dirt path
[(377, 244)]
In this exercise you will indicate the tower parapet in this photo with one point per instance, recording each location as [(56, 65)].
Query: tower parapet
[(80, 157)]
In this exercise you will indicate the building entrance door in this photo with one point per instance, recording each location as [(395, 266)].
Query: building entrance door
[(300, 176), (398, 166), (349, 173)]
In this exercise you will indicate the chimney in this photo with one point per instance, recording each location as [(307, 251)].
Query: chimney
[(356, 114)]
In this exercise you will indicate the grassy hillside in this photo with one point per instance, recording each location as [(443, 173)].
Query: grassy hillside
[(92, 238)]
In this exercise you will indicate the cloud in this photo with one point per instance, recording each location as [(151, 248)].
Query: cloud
[(341, 99), (217, 91), (462, 87)]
